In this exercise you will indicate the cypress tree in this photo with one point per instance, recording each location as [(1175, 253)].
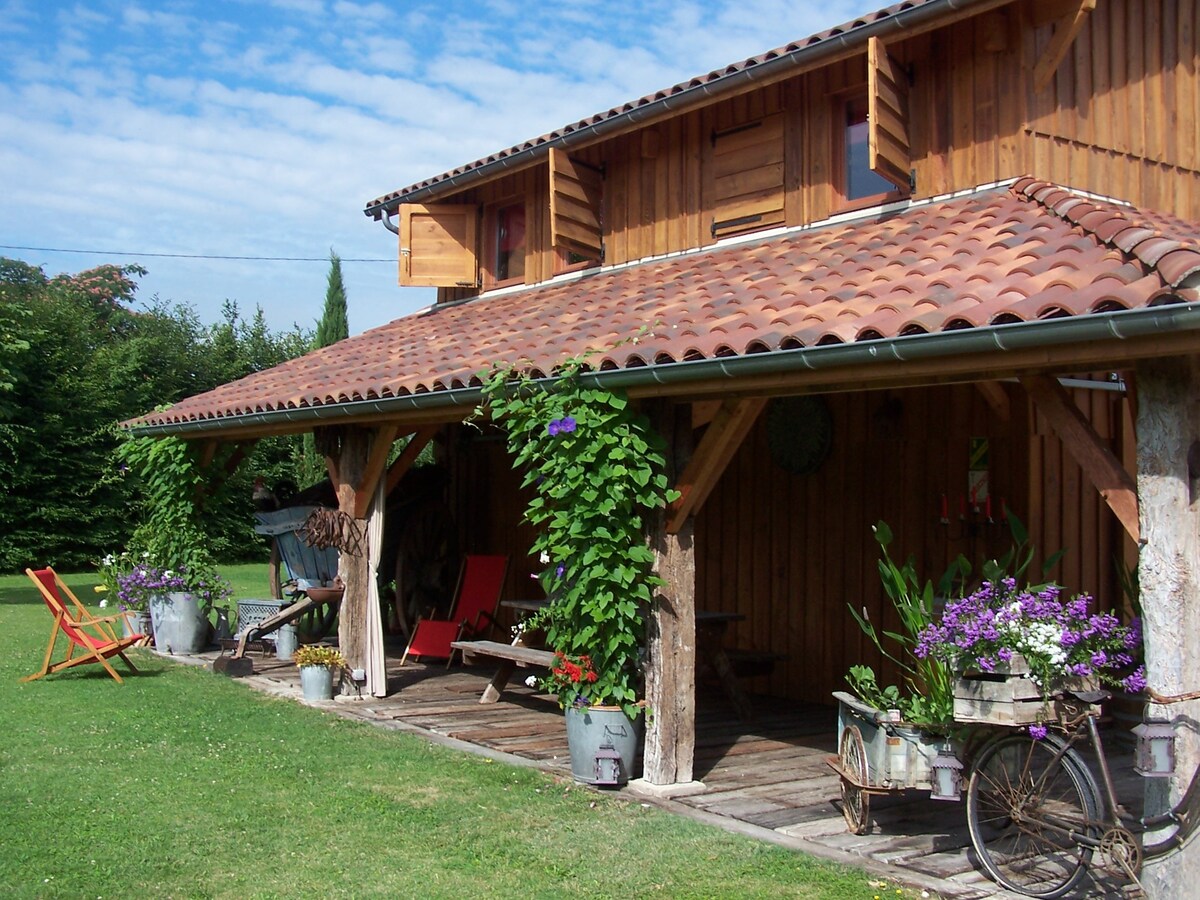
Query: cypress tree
[(334, 325)]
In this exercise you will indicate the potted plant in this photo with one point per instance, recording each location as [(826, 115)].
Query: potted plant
[(596, 468), (318, 664), (112, 570), (172, 537), (142, 592)]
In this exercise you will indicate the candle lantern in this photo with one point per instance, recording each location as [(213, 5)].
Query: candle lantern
[(608, 765), (947, 777), (1155, 755)]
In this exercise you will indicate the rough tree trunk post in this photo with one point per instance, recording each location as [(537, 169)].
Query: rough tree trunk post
[(1168, 458), (671, 630), (352, 615)]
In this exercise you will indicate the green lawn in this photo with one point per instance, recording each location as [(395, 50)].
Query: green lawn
[(181, 783)]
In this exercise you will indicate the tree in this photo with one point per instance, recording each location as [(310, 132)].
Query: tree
[(75, 360), (334, 325)]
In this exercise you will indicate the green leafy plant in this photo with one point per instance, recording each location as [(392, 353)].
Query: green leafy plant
[(597, 468), (931, 701), (319, 655), (170, 535)]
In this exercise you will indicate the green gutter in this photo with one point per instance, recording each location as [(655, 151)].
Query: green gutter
[(986, 340)]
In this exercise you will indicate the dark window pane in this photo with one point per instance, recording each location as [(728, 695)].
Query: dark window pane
[(510, 242), (860, 180)]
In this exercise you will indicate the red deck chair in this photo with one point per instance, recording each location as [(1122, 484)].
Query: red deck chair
[(473, 612), (93, 636)]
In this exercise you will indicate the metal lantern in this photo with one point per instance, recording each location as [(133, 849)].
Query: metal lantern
[(947, 777), (1155, 756), (608, 765)]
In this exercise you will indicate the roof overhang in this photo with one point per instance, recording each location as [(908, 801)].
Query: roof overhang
[(1073, 344)]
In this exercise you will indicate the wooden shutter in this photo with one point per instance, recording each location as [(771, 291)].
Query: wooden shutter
[(438, 245), (576, 190), (747, 177), (887, 116)]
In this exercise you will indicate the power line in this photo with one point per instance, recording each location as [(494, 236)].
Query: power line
[(323, 259)]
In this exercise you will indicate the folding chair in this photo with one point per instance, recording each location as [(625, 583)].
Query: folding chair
[(476, 599), (93, 636)]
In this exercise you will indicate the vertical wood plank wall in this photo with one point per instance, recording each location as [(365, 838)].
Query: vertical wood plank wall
[(790, 552), (1120, 117)]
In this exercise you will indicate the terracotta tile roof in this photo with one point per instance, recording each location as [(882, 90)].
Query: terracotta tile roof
[(701, 86), (1027, 252)]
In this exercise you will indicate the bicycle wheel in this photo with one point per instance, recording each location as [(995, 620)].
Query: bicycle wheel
[(1026, 802)]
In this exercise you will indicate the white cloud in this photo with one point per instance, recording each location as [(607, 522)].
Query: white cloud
[(260, 129)]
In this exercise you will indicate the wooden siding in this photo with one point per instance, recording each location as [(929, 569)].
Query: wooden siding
[(1120, 117), (790, 552)]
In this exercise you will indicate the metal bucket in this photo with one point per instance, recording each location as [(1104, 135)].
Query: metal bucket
[(285, 642), (589, 729)]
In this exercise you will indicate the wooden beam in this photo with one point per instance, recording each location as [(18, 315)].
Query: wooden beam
[(381, 446), (208, 451), (240, 452), (993, 392), (408, 456), (1065, 32), (1097, 461), (720, 442)]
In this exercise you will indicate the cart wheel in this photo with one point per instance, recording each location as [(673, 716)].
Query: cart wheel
[(855, 802)]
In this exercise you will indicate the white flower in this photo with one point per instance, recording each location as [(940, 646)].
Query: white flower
[(544, 558), (168, 574), (145, 554), (108, 560), (531, 681), (104, 603)]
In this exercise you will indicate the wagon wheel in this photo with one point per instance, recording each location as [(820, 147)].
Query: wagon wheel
[(852, 754)]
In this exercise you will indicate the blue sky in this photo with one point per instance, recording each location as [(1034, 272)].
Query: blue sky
[(260, 128)]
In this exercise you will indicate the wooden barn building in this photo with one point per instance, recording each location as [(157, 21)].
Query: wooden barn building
[(927, 266)]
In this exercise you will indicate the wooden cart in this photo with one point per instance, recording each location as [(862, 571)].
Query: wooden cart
[(877, 755)]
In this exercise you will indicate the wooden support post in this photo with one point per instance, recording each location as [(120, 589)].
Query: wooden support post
[(356, 469), (1097, 461), (671, 638), (1168, 442)]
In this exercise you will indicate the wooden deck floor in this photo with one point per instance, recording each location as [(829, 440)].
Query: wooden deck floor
[(766, 776)]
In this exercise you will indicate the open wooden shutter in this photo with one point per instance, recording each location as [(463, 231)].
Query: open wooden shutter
[(576, 190), (887, 116), (438, 245), (747, 177)]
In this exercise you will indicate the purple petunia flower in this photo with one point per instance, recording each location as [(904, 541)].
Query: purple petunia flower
[(1135, 683), (1038, 731)]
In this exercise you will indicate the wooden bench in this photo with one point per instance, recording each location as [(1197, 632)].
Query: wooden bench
[(509, 655)]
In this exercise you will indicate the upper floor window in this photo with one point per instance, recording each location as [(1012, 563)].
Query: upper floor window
[(861, 185), (508, 239)]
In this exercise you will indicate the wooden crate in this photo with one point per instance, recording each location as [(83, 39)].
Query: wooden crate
[(1009, 697)]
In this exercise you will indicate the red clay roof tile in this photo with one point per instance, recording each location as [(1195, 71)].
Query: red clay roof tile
[(996, 256)]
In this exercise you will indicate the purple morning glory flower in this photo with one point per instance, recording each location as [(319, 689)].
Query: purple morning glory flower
[(554, 427), (558, 573), (567, 425), (1037, 731)]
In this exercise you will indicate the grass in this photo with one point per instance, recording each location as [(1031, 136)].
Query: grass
[(180, 783)]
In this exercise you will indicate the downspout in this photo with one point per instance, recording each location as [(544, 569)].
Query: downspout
[(689, 97), (1121, 325)]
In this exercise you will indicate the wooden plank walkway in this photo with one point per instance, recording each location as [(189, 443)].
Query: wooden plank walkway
[(768, 772)]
